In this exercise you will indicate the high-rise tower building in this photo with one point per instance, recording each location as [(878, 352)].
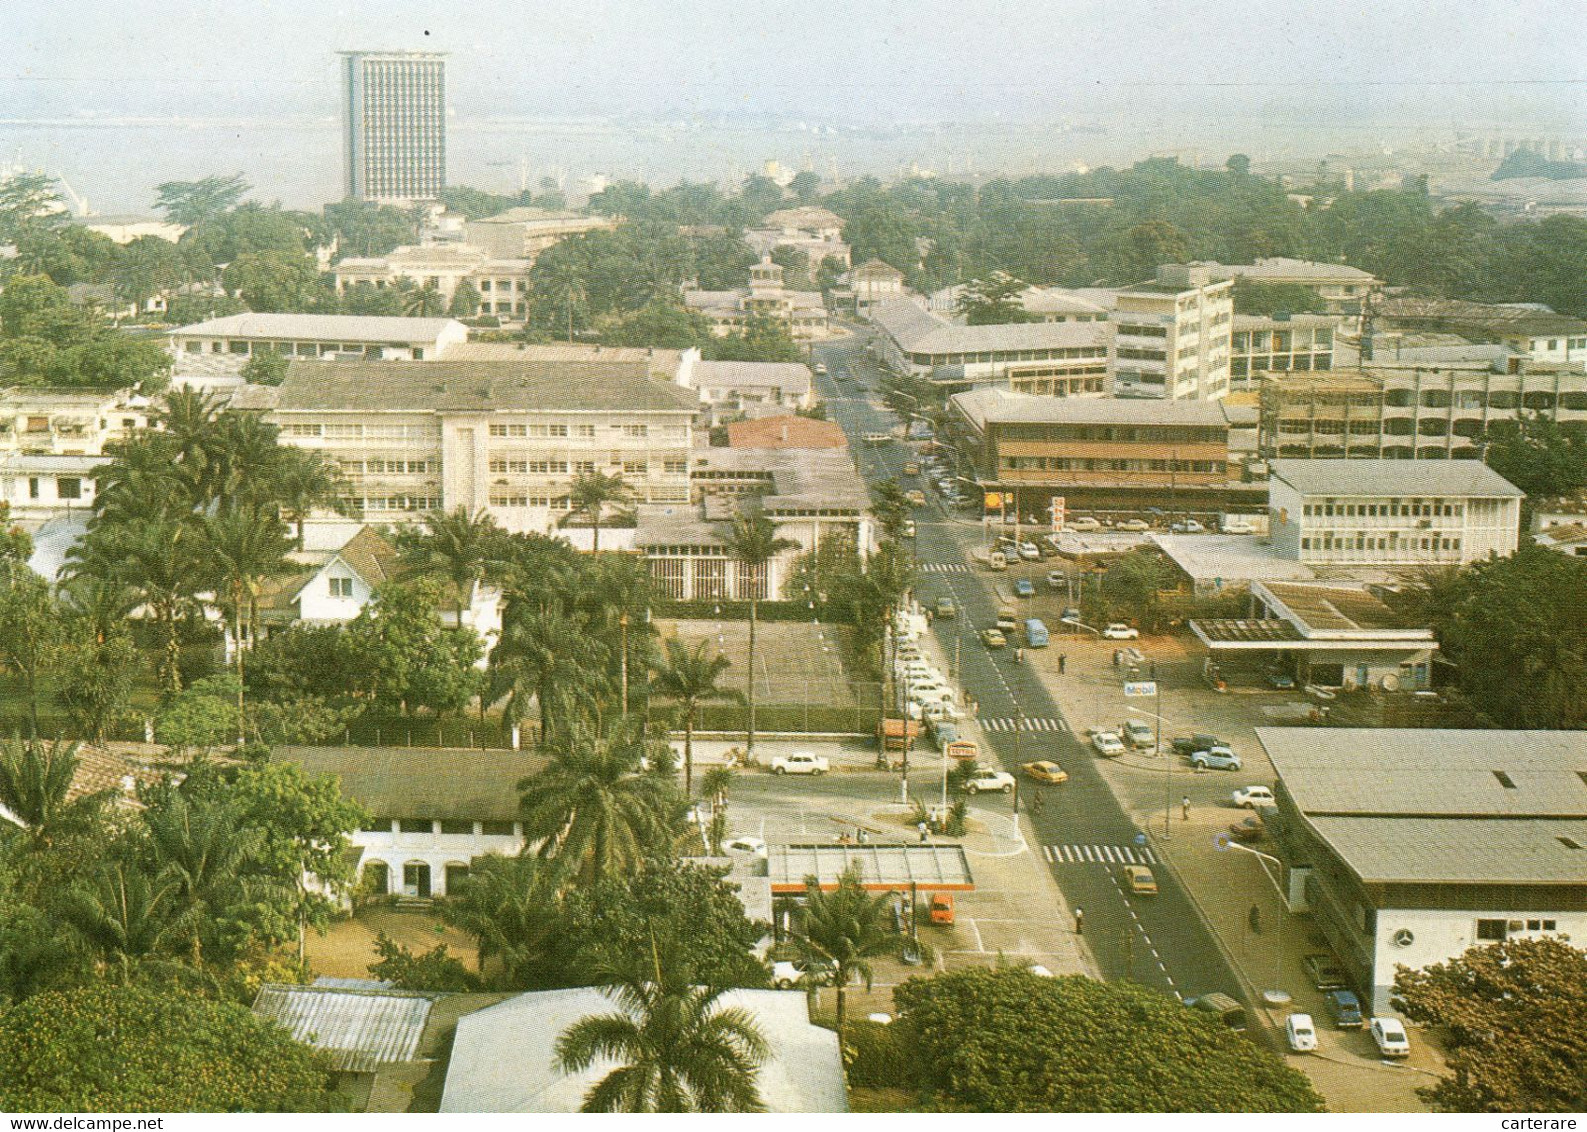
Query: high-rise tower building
[(394, 119)]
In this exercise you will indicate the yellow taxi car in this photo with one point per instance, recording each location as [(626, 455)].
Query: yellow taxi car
[(1045, 771), (1139, 880)]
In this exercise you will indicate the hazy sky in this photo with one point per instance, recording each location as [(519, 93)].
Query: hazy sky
[(882, 60)]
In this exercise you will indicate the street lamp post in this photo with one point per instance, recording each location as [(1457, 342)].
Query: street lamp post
[(1157, 752), (1283, 906)]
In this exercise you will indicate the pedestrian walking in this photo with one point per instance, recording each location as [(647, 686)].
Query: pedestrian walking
[(925, 833), (1080, 921), (1184, 805), (1063, 663)]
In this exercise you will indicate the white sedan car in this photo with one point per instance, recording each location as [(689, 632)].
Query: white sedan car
[(1108, 744), (1300, 1033), (1390, 1036), (1250, 797), (999, 781), (1118, 631), (1030, 552), (800, 762)]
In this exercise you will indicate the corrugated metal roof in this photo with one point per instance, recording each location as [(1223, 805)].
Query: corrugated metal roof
[(917, 330), (996, 405), (881, 866), (1431, 772), (407, 782), (1379, 478), (361, 1029), (1458, 851)]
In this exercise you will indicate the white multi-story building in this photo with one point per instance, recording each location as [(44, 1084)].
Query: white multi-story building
[(1342, 288), (508, 437), (52, 444), (320, 336), (1410, 846), (1386, 513), (1059, 359), (503, 284), (393, 125), (1171, 337)]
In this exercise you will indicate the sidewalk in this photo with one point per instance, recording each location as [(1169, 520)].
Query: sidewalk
[(1226, 885)]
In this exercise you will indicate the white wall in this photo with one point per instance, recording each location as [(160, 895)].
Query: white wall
[(1443, 935), (435, 849)]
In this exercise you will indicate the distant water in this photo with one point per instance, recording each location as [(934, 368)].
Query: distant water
[(117, 164)]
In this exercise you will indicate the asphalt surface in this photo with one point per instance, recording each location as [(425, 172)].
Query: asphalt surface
[(1084, 832)]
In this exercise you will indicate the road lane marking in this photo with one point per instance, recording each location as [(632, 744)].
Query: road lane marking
[(1099, 854)]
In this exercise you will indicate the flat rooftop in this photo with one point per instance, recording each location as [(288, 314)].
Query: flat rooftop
[(883, 868), (1381, 478)]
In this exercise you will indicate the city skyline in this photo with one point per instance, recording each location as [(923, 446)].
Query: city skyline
[(913, 62)]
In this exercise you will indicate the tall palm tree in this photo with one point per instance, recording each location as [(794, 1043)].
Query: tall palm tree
[(681, 1050), (536, 655), (614, 594), (243, 459), (36, 791), (753, 542), (689, 679), (303, 480), (244, 548), (157, 561), (456, 546), (594, 809), (846, 927), (592, 492)]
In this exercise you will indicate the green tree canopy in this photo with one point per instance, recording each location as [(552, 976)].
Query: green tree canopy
[(106, 1048), (1010, 1041), (1511, 1014), (1517, 630)]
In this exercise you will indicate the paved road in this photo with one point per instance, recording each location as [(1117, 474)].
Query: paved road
[(1084, 833)]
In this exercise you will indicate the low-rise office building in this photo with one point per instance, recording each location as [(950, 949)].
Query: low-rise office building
[(507, 437), (1536, 332), (1400, 412), (1109, 453), (1391, 513), (1299, 343), (751, 387), (1410, 846), (523, 233), (816, 231), (321, 336), (812, 495), (1343, 289), (1057, 359), (502, 284)]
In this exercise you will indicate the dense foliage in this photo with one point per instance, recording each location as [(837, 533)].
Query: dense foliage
[(1011, 1041), (108, 1048), (1511, 1018), (1516, 629)]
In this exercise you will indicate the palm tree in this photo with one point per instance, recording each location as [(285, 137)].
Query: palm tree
[(614, 594), (36, 791), (681, 1050), (753, 542), (456, 546), (200, 848), (156, 559), (594, 809), (591, 493), (425, 302), (536, 654), (123, 914), (304, 480), (846, 927), (689, 679), (511, 906), (244, 549)]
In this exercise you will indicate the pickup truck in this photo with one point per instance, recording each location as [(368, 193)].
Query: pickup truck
[(800, 762)]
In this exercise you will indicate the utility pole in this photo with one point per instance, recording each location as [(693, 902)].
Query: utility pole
[(1157, 751)]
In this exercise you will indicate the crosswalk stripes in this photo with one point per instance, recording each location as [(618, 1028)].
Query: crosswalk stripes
[(1098, 855), (944, 568), (1032, 723)]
